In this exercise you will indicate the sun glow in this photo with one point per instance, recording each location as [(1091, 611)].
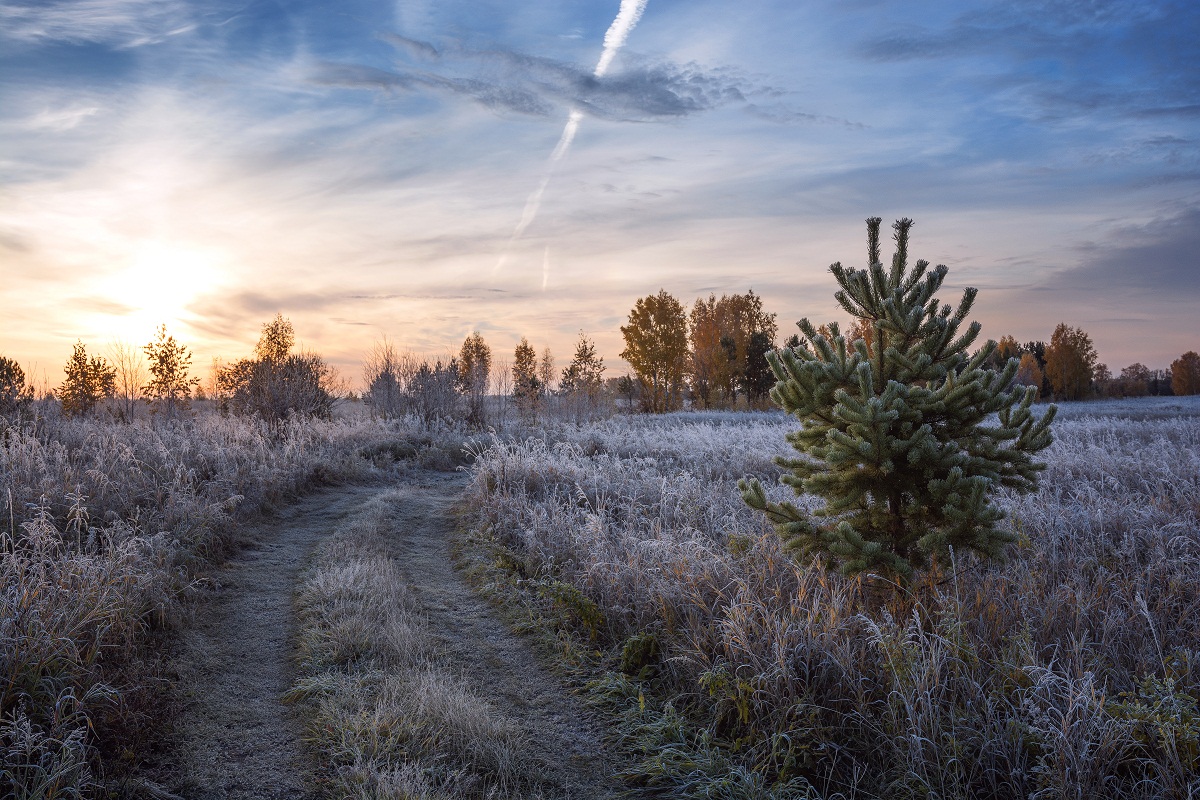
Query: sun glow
[(157, 287)]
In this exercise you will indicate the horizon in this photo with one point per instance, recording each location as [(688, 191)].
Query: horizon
[(422, 170)]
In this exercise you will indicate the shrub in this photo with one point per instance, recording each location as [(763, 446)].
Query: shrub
[(278, 384)]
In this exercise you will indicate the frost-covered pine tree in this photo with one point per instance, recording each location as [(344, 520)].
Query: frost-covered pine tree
[(898, 437)]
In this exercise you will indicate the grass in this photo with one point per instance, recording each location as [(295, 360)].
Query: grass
[(728, 671), (1072, 670), (387, 713), (103, 524)]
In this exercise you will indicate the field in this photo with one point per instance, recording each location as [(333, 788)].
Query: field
[(719, 667), (1073, 670), (106, 525)]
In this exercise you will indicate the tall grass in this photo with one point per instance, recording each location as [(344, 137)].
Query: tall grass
[(102, 523), (1072, 670)]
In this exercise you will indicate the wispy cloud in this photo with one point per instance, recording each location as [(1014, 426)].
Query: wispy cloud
[(58, 120), (116, 23), (515, 82)]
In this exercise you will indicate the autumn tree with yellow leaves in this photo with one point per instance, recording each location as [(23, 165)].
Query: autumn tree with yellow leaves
[(656, 346)]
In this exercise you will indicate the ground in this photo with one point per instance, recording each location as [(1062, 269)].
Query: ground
[(234, 738)]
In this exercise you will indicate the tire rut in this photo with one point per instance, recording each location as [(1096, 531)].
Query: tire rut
[(234, 738), (482, 649)]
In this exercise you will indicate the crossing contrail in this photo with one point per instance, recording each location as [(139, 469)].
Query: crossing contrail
[(627, 18)]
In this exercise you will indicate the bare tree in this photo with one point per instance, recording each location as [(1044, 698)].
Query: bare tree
[(386, 373), (432, 391), (502, 385), (130, 366)]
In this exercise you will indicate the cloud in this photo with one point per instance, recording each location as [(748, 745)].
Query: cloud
[(60, 119), (412, 47), (1069, 57), (116, 23), (508, 80), (1158, 257)]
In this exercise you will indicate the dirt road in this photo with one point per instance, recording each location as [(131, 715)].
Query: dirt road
[(482, 649), (235, 740)]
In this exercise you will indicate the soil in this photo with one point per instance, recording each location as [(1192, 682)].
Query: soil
[(234, 739)]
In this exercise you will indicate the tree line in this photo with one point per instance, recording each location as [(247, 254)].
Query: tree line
[(711, 356), (275, 383)]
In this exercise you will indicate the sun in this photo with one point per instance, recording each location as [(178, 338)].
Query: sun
[(157, 287)]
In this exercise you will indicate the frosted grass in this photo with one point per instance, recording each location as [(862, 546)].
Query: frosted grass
[(1074, 667)]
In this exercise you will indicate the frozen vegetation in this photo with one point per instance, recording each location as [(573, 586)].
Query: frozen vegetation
[(104, 525), (1071, 670), (728, 670)]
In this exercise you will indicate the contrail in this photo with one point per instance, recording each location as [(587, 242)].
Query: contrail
[(627, 18), (535, 200)]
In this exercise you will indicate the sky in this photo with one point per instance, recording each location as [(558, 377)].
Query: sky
[(421, 169)]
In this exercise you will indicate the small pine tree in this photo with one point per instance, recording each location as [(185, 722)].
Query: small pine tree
[(527, 389), (582, 382), (88, 382), (897, 437), (15, 395), (170, 385)]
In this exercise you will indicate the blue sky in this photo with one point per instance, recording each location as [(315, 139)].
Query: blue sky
[(361, 167)]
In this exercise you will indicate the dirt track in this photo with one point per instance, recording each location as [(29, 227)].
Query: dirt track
[(236, 740), (482, 649)]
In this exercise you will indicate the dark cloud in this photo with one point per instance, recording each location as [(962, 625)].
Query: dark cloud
[(786, 115), (226, 315), (507, 80), (1161, 258), (1071, 57), (357, 76), (412, 47)]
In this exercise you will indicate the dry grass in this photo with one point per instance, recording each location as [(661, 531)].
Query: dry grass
[(387, 713), (1071, 671), (102, 523)]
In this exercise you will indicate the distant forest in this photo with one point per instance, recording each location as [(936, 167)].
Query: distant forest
[(712, 356)]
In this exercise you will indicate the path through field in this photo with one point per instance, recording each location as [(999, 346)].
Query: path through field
[(235, 740)]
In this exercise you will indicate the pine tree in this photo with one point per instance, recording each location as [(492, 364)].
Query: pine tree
[(897, 437), (527, 389), (88, 382), (170, 386), (15, 395), (582, 383)]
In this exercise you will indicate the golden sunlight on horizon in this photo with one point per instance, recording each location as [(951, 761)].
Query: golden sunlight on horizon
[(161, 280)]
